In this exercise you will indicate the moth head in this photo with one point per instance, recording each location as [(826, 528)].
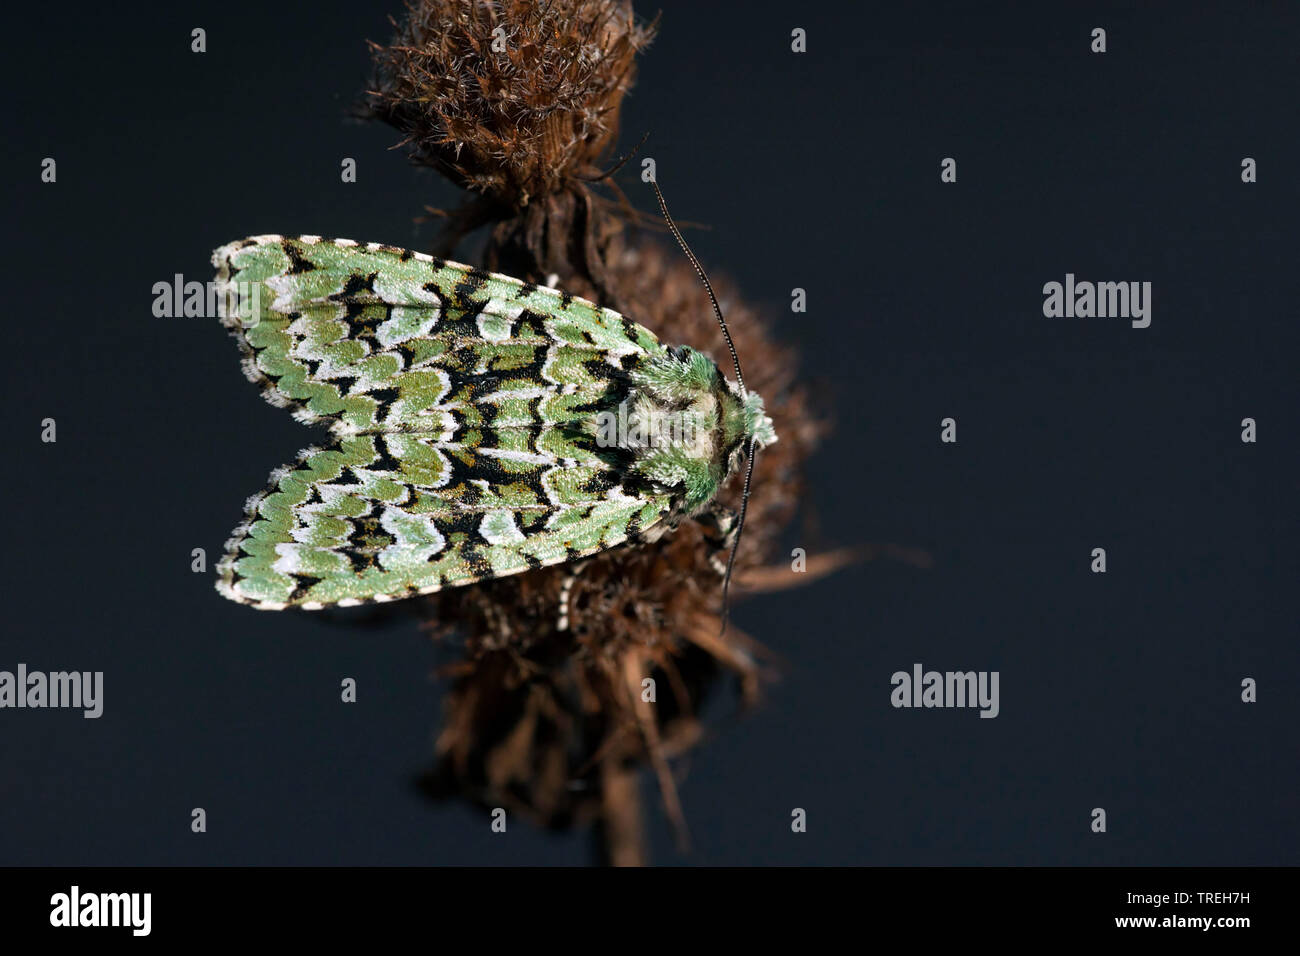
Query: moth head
[(758, 426), (748, 427)]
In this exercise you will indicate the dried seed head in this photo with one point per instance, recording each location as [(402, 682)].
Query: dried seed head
[(515, 99)]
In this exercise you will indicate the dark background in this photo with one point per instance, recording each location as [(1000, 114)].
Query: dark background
[(818, 170)]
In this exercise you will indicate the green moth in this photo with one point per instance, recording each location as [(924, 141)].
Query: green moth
[(479, 426)]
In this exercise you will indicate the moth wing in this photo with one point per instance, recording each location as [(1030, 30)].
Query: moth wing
[(380, 517), (367, 337)]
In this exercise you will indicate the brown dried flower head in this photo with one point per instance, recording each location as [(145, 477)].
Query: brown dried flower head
[(514, 99)]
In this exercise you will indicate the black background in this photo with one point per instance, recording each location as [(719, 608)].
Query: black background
[(819, 171)]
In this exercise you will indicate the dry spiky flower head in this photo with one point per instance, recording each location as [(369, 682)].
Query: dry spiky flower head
[(518, 102)]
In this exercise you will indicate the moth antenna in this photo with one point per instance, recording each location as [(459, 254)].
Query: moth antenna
[(740, 526), (708, 286), (740, 383), (617, 165)]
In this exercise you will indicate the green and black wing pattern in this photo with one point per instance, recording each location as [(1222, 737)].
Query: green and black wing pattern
[(461, 407)]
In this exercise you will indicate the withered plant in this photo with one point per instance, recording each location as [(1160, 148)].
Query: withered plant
[(518, 103)]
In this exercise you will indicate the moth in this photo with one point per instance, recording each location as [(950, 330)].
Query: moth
[(480, 426)]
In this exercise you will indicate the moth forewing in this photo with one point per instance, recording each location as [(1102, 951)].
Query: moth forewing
[(465, 411)]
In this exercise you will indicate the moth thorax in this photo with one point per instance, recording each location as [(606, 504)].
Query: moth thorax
[(647, 426)]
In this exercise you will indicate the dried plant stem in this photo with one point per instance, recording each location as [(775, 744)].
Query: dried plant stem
[(620, 832)]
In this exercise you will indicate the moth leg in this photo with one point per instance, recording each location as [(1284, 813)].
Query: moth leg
[(566, 594), (552, 280), (719, 524)]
